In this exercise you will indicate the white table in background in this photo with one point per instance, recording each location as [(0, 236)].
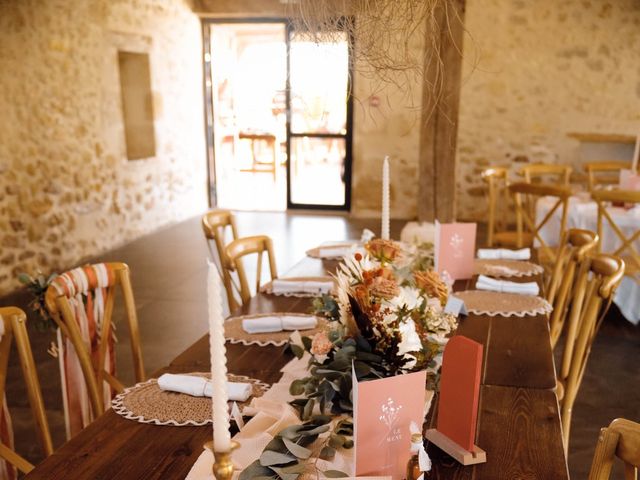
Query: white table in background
[(583, 213)]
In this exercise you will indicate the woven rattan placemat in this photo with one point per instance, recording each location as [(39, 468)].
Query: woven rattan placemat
[(481, 302), (235, 333), (146, 402), (268, 287), (500, 268)]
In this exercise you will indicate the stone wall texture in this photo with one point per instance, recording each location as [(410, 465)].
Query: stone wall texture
[(67, 190), (535, 71)]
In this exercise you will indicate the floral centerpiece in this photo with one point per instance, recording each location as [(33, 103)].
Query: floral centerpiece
[(387, 319)]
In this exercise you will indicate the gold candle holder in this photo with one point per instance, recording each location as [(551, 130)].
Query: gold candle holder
[(222, 465)]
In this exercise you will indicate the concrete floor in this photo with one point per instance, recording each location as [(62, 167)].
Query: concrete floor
[(168, 275)]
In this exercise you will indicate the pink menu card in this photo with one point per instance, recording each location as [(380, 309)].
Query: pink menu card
[(383, 411), (455, 245)]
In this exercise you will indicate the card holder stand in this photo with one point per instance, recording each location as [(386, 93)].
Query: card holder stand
[(465, 457)]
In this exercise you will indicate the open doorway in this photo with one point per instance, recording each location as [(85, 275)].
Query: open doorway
[(278, 117)]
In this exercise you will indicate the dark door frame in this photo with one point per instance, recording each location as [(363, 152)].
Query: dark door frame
[(348, 136), (208, 111)]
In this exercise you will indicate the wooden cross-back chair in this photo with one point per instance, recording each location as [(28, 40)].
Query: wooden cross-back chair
[(81, 302), (497, 183), (604, 173), (627, 250), (594, 288), (525, 197), (575, 247), (215, 225), (620, 439), (543, 172), (242, 247), (13, 326)]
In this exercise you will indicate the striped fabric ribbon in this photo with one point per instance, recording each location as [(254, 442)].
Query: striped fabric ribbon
[(86, 289), (7, 471)]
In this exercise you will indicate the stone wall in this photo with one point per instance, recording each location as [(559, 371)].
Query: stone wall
[(67, 190), (535, 71)]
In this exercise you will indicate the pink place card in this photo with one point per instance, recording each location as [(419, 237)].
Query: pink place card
[(455, 245), (383, 411), (460, 390)]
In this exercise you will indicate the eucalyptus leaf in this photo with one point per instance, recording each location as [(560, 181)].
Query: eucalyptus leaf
[(296, 449), (334, 474), (269, 458), (282, 475), (336, 441), (255, 470), (297, 387), (297, 350), (327, 453)]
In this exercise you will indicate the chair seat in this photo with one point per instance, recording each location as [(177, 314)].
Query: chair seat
[(510, 239)]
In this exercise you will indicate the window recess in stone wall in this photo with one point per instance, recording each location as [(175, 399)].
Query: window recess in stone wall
[(137, 104)]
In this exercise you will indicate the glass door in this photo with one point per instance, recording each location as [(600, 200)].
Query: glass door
[(319, 119)]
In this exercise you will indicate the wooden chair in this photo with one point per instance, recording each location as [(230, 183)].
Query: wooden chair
[(13, 325), (526, 196), (604, 173), (575, 247), (497, 183), (543, 172), (246, 246), (215, 224), (627, 250), (620, 439), (594, 288), (81, 301)]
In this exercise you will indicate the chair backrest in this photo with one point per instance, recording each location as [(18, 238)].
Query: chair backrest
[(543, 172), (81, 302), (604, 173), (497, 183), (575, 247), (526, 196), (620, 439), (627, 247), (241, 247), (13, 326), (215, 225), (594, 288)]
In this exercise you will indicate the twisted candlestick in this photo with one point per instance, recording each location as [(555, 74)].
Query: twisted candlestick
[(222, 465)]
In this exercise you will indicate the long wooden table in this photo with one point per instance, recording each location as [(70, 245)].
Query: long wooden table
[(518, 421)]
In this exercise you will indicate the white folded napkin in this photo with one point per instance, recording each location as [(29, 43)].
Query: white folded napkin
[(504, 253), (282, 286), (277, 324), (488, 283), (334, 252), (201, 387)]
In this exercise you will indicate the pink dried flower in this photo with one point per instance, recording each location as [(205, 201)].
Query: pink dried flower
[(320, 344)]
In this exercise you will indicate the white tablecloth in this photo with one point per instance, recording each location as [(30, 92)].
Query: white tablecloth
[(584, 214)]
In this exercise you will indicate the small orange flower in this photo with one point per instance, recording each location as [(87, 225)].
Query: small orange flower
[(358, 256), (431, 283), (383, 250)]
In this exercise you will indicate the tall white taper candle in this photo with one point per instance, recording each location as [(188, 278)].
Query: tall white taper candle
[(384, 230), (217, 350)]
